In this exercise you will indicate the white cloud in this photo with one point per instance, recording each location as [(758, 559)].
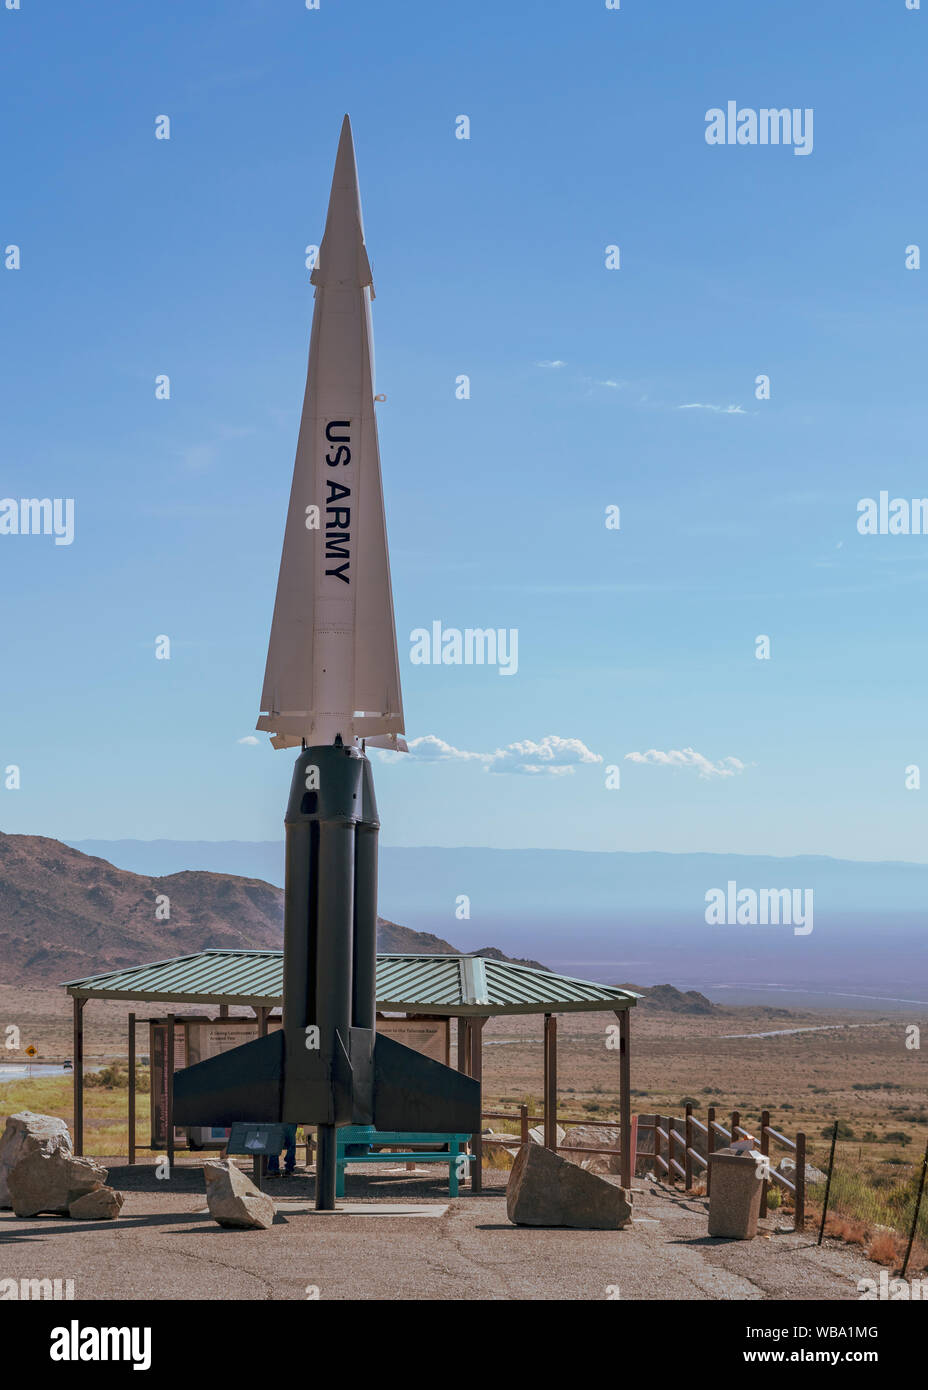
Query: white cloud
[(553, 755), (555, 364), (719, 409), (688, 757), (249, 739), (431, 749)]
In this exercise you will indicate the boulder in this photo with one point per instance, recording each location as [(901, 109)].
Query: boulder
[(102, 1204), (28, 1133), (594, 1137), (51, 1181), (537, 1134), (547, 1190), (814, 1176), (233, 1199)]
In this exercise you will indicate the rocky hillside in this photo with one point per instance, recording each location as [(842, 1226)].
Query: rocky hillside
[(64, 914), (675, 1001)]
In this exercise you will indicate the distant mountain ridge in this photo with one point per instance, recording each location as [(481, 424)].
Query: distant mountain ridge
[(619, 914), (65, 914)]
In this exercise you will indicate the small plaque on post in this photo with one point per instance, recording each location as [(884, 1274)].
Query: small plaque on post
[(256, 1140)]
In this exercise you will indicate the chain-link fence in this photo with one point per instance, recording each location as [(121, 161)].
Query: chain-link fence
[(872, 1198)]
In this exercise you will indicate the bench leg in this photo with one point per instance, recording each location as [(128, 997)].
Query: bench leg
[(340, 1180), (453, 1172)]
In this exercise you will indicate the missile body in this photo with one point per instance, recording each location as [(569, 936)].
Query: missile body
[(332, 680)]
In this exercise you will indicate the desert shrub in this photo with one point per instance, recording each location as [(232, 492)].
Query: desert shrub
[(882, 1248), (844, 1130), (116, 1078)]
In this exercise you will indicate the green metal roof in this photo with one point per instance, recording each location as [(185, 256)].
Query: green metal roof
[(456, 985)]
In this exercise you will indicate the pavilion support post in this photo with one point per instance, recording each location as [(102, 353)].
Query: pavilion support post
[(131, 1089), (464, 1031), (259, 1161), (550, 1083), (169, 1109), (475, 1030), (79, 1075), (626, 1156)]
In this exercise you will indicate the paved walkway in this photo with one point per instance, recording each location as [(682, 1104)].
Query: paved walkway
[(164, 1247)]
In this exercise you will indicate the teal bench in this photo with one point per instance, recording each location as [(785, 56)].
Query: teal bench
[(355, 1144)]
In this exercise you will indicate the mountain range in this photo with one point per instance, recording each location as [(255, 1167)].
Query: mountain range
[(65, 914), (620, 915)]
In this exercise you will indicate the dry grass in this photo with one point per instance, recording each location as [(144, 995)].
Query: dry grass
[(884, 1249)]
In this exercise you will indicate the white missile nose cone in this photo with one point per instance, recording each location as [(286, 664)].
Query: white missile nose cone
[(342, 257), (346, 173)]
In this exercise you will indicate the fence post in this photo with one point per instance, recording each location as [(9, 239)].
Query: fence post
[(668, 1123), (831, 1168), (765, 1150), (657, 1147), (800, 1221), (523, 1124), (710, 1144), (918, 1203), (688, 1140)]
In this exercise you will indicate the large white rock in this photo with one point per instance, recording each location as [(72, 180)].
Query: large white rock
[(27, 1133), (814, 1176), (51, 1181), (233, 1199), (537, 1134)]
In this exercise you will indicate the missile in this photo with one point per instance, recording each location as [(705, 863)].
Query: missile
[(332, 686)]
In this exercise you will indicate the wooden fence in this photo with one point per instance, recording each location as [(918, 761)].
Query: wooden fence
[(670, 1141)]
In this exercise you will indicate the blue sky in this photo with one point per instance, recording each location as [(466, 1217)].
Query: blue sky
[(186, 257)]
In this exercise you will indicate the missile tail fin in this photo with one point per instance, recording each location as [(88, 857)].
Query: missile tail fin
[(243, 1084), (415, 1093)]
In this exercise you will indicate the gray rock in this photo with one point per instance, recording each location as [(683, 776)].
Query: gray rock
[(594, 1137), (51, 1181), (26, 1133), (102, 1204), (233, 1199), (814, 1176), (537, 1134), (547, 1190)]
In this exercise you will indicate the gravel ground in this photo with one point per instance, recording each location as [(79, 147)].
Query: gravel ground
[(164, 1247)]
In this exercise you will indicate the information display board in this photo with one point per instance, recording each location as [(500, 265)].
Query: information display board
[(428, 1034)]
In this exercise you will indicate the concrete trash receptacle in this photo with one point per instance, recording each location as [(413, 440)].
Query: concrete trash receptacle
[(735, 1186)]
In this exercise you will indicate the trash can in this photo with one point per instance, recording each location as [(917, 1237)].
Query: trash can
[(735, 1186)]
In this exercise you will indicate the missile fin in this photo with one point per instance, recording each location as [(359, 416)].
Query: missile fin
[(243, 1084), (413, 1092)]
